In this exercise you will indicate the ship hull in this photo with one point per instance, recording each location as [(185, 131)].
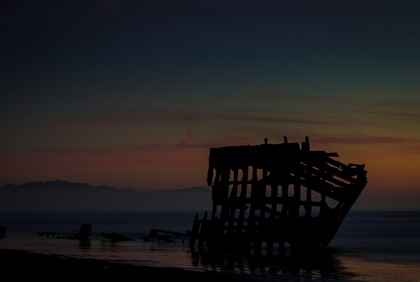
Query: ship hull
[(276, 196)]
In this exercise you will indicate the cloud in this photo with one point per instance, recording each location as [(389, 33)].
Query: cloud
[(367, 140), (186, 115), (401, 146)]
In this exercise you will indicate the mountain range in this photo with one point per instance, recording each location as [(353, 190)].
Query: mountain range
[(64, 196)]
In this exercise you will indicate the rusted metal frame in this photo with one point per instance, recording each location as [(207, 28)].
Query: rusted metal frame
[(344, 172), (317, 171), (312, 171), (313, 183), (333, 169)]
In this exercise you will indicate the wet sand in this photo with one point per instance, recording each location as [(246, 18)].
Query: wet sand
[(17, 264)]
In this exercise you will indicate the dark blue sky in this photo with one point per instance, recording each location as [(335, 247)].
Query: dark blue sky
[(134, 93)]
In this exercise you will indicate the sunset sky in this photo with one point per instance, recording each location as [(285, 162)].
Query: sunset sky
[(132, 94)]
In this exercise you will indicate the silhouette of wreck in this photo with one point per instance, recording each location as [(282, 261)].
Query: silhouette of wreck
[(83, 234), (115, 237), (284, 196), (3, 229)]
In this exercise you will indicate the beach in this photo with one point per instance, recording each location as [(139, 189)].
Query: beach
[(370, 246), (19, 264)]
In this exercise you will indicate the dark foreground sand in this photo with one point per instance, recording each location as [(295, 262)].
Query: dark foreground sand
[(17, 264)]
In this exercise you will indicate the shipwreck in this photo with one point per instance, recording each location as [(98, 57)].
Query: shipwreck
[(283, 197)]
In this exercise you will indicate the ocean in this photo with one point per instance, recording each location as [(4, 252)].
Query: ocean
[(369, 246)]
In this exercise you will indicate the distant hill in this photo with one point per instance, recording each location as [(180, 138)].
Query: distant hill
[(61, 195)]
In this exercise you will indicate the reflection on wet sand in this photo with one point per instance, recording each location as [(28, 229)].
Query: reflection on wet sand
[(308, 266)]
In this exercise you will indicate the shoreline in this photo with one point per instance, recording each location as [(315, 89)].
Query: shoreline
[(22, 264)]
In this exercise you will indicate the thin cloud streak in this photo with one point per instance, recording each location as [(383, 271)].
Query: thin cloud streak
[(367, 140), (124, 117), (190, 115)]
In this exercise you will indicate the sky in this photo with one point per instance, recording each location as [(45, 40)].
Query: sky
[(133, 94)]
